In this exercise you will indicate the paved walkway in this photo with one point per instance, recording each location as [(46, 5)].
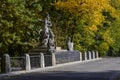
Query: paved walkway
[(103, 69)]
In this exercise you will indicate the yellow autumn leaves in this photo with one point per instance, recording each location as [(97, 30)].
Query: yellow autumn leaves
[(85, 7), (90, 13)]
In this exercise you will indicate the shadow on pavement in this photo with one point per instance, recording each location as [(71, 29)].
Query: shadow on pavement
[(65, 75)]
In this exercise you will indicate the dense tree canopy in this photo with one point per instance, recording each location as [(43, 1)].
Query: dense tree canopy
[(92, 24), (91, 21), (18, 19)]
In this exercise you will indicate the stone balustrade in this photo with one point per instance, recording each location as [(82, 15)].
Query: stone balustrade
[(53, 59)]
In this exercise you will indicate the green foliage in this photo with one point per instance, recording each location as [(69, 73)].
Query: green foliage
[(115, 29), (18, 25), (115, 34), (91, 26), (102, 53)]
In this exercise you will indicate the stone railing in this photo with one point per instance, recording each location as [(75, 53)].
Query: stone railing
[(41, 60)]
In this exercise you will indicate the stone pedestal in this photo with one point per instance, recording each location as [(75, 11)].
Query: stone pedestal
[(70, 46), (42, 49), (58, 49)]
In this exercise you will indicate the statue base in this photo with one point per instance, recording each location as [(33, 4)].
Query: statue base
[(40, 49)]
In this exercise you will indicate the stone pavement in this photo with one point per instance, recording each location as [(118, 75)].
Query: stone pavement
[(103, 69)]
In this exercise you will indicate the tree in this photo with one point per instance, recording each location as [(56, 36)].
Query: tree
[(115, 30), (18, 24), (87, 22)]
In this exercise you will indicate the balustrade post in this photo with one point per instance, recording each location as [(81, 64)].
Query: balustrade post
[(27, 62), (53, 59), (93, 54), (6, 65), (85, 55), (80, 56), (97, 55), (42, 60), (89, 55)]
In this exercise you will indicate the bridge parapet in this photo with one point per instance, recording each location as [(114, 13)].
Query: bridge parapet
[(41, 60)]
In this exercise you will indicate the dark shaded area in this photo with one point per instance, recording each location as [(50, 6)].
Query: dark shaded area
[(35, 61), (48, 60), (83, 57), (65, 75)]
